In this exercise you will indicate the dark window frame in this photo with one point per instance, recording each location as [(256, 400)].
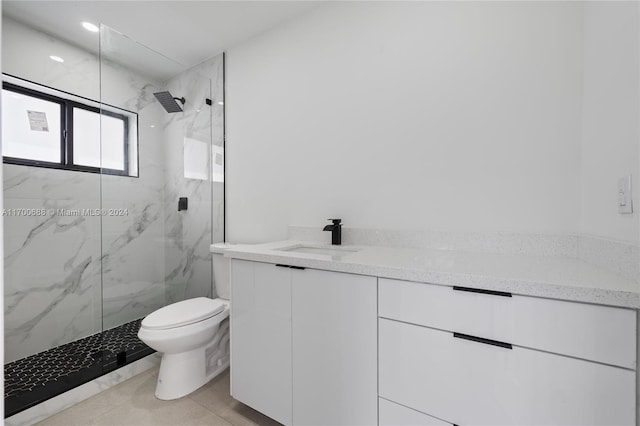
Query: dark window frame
[(66, 133)]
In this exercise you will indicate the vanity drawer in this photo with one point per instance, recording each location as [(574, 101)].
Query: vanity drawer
[(593, 332), (392, 414), (467, 382)]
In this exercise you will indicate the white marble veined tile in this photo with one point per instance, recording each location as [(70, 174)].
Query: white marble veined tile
[(126, 221), (133, 251), (48, 302), (129, 191), (42, 183), (121, 231), (126, 299), (126, 89), (25, 234), (200, 283), (119, 191), (188, 271)]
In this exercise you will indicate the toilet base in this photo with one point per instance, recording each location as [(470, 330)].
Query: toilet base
[(182, 373)]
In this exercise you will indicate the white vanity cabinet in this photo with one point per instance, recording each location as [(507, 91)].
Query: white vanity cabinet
[(261, 338), (304, 344), (335, 343), (312, 347), (469, 357)]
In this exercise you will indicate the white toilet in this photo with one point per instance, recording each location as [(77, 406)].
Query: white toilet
[(185, 333)]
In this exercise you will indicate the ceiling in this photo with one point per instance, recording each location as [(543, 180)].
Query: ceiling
[(188, 32)]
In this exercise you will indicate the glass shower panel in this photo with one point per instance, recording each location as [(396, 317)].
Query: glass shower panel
[(152, 253), (52, 250), (52, 247), (188, 175)]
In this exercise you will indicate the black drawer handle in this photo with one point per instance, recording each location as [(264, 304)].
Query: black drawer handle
[(482, 291), (482, 340), (291, 267)]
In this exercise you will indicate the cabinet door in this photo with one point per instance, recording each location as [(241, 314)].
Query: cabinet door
[(468, 382), (261, 337), (334, 348)]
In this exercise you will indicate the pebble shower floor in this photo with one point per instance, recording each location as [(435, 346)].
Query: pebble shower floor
[(36, 378)]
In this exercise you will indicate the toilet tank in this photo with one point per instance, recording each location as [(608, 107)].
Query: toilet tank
[(221, 267)]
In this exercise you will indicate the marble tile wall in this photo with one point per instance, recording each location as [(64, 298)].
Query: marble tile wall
[(52, 271), (68, 277)]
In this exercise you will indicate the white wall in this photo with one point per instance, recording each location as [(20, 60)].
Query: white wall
[(610, 131), (457, 116)]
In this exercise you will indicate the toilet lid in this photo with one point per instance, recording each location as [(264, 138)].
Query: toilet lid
[(183, 313)]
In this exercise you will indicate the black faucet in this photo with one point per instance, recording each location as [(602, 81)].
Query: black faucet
[(336, 231)]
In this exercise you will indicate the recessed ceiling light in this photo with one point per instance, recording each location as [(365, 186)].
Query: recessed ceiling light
[(90, 27), (152, 126), (56, 58), (220, 103)]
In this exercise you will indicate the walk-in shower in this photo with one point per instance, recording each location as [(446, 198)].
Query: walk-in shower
[(97, 242)]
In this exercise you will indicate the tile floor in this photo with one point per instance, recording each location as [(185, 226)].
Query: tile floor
[(132, 403)]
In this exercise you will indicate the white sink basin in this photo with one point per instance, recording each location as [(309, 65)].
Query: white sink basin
[(322, 250)]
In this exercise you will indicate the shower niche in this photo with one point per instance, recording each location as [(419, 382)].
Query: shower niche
[(96, 242)]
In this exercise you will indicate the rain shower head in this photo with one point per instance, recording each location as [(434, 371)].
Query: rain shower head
[(168, 101)]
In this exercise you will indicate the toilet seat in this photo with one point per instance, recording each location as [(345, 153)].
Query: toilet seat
[(183, 313)]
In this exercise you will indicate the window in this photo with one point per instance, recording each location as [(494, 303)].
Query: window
[(47, 128), (86, 139)]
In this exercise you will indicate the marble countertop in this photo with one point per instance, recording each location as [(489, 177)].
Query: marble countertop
[(552, 277)]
